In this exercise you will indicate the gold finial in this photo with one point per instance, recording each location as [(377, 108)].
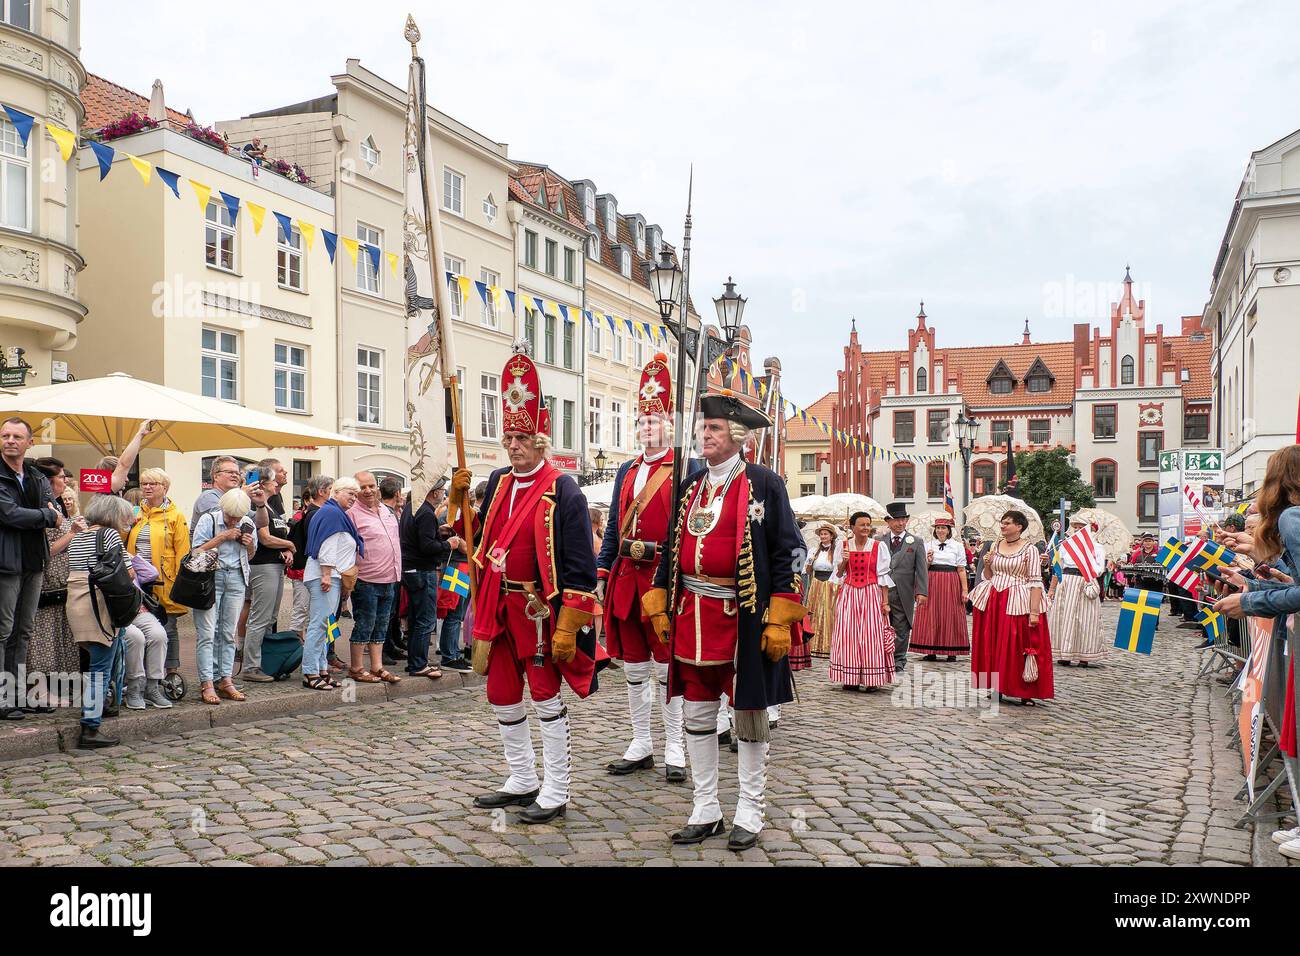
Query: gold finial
[(412, 33)]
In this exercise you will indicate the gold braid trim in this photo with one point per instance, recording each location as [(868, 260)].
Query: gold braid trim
[(746, 585), (675, 568)]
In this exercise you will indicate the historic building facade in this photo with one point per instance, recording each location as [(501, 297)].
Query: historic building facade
[(1253, 315), (1114, 396)]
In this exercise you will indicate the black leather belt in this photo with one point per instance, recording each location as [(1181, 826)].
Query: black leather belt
[(822, 575), (1075, 571), (943, 567), (635, 550)]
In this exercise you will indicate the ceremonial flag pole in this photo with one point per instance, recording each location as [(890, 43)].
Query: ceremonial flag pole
[(430, 353)]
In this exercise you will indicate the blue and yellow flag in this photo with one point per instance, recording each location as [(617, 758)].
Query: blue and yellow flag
[(456, 580), (1138, 616), (1171, 551), (1212, 621), (332, 631), (1213, 556)]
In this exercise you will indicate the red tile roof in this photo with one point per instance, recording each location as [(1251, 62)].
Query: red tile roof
[(105, 101), (824, 410)]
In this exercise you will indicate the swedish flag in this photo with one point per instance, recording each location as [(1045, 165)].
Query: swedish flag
[(1171, 551), (1213, 556), (1056, 562), (1138, 616), (456, 580), (332, 630), (1212, 621)]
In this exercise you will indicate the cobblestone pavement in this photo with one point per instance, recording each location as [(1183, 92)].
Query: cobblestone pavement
[(1129, 765)]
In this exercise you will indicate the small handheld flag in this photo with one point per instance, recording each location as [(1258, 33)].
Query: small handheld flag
[(948, 504), (456, 580), (1183, 572), (1212, 621), (1138, 616), (332, 630), (1213, 556)]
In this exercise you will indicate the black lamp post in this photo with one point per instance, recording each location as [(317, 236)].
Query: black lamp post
[(967, 429), (600, 462)]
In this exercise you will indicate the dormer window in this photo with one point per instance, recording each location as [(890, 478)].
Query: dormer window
[(589, 206), (640, 239), (611, 221), (593, 247), (1000, 380), (1039, 378), (626, 263), (655, 241)]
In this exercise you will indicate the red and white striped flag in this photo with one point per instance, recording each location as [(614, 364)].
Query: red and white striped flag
[(1182, 573), (1081, 549), (1194, 498)]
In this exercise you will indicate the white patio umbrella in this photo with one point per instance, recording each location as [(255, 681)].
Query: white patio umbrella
[(106, 412), (1111, 533), (986, 513), (809, 507), (599, 495), (847, 503)]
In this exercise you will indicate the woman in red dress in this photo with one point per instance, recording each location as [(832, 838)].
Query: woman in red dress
[(862, 642), (1009, 619), (940, 626)]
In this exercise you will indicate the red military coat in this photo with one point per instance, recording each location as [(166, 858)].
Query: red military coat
[(627, 580)]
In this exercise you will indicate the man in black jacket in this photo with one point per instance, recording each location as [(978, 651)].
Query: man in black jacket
[(26, 510), (425, 547)]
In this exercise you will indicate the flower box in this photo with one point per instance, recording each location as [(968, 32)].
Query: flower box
[(208, 135), (132, 122)]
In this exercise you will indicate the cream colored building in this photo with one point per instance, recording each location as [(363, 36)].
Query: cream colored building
[(350, 142), (1253, 315), (807, 451), (40, 74), (190, 297)]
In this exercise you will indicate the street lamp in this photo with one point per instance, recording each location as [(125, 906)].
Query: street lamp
[(666, 284), (731, 308), (600, 460), (967, 429)]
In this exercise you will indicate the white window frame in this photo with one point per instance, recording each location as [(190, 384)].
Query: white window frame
[(570, 265), (369, 279), (530, 249), (14, 156), (619, 353), (594, 424), (611, 221), (640, 238), (370, 384), (626, 265), (291, 370), (616, 422), (220, 358), (8, 12), (456, 267), (288, 257), (638, 351), (453, 191), (370, 154), (488, 314), (489, 209), (589, 205), (593, 340), (593, 247), (489, 406), (217, 226)]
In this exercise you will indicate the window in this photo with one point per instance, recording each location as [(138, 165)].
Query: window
[(805, 490), (552, 256), (1150, 444), (489, 399), (904, 428), (369, 152), (616, 423), (453, 191), (367, 273), (568, 343), (1126, 370), (1103, 421), (610, 228), (218, 234), (593, 340), (1148, 503), (220, 365), (288, 258), (618, 345), (1040, 431), (593, 419), (808, 462), (1196, 427), (490, 209), (593, 247), (984, 478), (530, 249), (370, 377), (302, 473), (570, 265), (568, 423), (457, 268), (447, 399), (904, 480), (640, 239), (638, 351), (1001, 385), (290, 377), (626, 266), (18, 13), (589, 205), (921, 380), (936, 426), (530, 329), (1038, 382), (934, 480), (1001, 431), (1103, 479), (16, 176), (548, 349), (488, 316)]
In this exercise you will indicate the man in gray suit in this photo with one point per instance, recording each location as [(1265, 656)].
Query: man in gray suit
[(910, 571)]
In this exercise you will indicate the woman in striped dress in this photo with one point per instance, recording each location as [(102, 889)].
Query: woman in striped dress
[(1008, 623), (1075, 615), (862, 641), (822, 589), (940, 625)]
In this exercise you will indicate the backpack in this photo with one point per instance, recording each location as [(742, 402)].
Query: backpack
[(281, 654), (108, 578)]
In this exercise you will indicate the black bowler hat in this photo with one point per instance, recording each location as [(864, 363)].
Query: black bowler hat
[(726, 404), (897, 510)]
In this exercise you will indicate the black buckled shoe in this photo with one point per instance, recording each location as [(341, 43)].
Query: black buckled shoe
[(494, 801), (94, 739), (535, 813), (741, 839), (698, 832), (621, 768), (675, 774)]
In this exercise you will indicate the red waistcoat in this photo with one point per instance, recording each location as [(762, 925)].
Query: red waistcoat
[(629, 580), (706, 628), (862, 567)]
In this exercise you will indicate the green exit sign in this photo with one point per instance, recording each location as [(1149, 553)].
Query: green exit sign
[(1169, 461), (1203, 461)]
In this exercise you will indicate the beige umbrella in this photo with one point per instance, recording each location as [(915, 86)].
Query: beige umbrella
[(845, 503), (922, 524), (1111, 533), (985, 514), (106, 412), (810, 507)]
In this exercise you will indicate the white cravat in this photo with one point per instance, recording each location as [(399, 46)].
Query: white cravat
[(520, 483), (719, 473), (643, 471)]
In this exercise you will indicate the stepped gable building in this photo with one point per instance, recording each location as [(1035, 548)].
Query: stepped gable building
[(1114, 396)]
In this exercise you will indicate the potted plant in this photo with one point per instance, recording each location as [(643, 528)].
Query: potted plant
[(132, 122), (206, 134)]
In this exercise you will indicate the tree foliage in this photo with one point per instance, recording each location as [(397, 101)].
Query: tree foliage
[(1046, 477)]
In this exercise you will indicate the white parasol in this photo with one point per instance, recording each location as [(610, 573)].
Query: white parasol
[(1111, 533), (922, 524), (985, 514)]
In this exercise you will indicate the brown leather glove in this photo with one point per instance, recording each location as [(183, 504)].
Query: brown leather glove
[(781, 614), (564, 642), (460, 482), (479, 657), (655, 605)]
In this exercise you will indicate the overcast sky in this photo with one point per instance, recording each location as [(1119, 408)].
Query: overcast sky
[(999, 161)]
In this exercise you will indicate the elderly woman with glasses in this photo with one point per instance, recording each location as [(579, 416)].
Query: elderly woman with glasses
[(333, 544), (161, 536), (230, 532)]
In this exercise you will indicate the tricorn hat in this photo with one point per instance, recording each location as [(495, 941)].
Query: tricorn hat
[(896, 509), (727, 404)]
